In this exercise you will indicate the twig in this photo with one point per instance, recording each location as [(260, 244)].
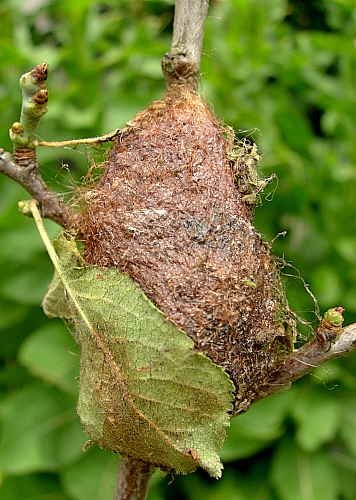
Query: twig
[(34, 105), (331, 342), (29, 178), (91, 141), (313, 354), (182, 62), (25, 170), (132, 481)]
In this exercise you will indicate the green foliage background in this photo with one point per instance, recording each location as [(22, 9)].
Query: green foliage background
[(282, 72)]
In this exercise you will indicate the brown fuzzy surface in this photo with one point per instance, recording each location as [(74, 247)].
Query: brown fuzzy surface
[(167, 211)]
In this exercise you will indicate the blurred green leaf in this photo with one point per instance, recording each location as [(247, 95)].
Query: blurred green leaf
[(346, 247), (40, 430), (26, 286), (252, 482), (258, 428), (92, 477), (32, 487), (318, 419), (327, 286), (345, 470), (349, 301), (335, 375), (50, 353), (237, 446), (297, 475), (296, 129), (229, 489), (11, 314), (348, 429), (24, 245)]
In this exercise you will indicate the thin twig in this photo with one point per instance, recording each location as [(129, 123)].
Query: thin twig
[(308, 357), (91, 141), (29, 177), (24, 168)]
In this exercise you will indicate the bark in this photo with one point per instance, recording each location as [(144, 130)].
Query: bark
[(314, 353), (29, 177), (182, 63), (132, 481)]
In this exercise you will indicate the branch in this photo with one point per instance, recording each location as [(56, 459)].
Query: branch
[(25, 170), (132, 481), (30, 179), (331, 342), (182, 62)]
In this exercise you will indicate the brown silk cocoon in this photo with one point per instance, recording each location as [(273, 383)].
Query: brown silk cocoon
[(168, 211)]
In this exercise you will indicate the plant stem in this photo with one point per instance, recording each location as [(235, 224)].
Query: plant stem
[(34, 105), (308, 357), (133, 479), (182, 63), (29, 177), (91, 141), (25, 170)]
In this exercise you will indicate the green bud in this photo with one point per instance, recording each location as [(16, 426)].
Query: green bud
[(23, 134), (17, 128), (24, 207), (334, 316)]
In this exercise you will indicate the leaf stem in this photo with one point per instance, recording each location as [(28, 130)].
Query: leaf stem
[(91, 141), (132, 481), (55, 261), (47, 243)]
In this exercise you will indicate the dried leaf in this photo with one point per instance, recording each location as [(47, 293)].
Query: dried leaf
[(144, 391)]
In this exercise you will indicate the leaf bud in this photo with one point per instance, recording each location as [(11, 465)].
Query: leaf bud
[(334, 316), (17, 128)]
